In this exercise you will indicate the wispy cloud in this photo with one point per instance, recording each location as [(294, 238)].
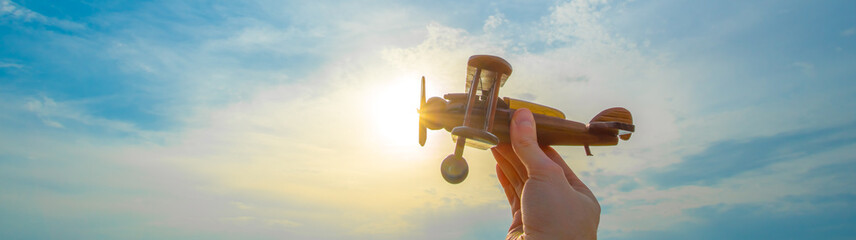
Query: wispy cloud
[(11, 65), (10, 9), (724, 160), (849, 32), (13, 11), (51, 112), (295, 119), (806, 68)]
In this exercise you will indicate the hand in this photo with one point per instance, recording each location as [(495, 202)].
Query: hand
[(548, 201)]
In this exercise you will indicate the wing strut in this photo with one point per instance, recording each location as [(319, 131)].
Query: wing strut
[(454, 168), (494, 97)]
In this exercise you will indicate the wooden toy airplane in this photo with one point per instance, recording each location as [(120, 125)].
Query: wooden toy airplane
[(480, 119)]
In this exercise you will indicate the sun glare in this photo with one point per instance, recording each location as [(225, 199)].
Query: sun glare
[(394, 113)]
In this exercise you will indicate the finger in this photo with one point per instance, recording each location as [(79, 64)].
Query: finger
[(573, 179), (516, 228), (508, 171), (506, 151), (524, 141), (513, 199)]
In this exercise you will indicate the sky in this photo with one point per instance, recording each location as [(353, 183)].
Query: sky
[(295, 119)]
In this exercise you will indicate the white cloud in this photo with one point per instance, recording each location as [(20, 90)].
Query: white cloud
[(10, 65), (332, 150), (9, 9), (849, 32), (578, 20), (652, 209), (50, 112), (806, 68), (493, 22), (309, 144)]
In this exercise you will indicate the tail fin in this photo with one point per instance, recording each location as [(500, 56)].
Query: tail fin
[(617, 115)]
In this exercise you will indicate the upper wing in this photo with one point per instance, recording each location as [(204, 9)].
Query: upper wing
[(490, 66), (534, 107), (485, 80)]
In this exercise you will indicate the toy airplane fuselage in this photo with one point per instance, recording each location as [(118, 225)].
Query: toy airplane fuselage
[(551, 130), (483, 120)]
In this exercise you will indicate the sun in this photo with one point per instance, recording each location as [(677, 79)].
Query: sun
[(394, 117)]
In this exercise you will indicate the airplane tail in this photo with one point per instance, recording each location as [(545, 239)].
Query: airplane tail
[(617, 120)]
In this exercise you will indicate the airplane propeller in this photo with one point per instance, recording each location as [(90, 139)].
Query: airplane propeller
[(423, 132), (453, 168)]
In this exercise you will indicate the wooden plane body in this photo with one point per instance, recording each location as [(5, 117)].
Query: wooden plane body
[(550, 130)]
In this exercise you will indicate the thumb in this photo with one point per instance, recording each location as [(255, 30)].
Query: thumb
[(524, 141)]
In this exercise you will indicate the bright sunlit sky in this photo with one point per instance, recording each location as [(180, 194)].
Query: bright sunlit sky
[(296, 119)]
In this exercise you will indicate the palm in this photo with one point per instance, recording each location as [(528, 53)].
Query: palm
[(547, 204), (548, 201)]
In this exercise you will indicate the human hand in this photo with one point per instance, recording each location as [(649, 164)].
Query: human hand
[(548, 201)]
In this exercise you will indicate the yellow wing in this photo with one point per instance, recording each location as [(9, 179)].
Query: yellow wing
[(534, 107)]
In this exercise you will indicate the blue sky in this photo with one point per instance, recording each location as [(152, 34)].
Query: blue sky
[(265, 119)]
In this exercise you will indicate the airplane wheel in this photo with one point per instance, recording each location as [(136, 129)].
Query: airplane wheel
[(454, 169)]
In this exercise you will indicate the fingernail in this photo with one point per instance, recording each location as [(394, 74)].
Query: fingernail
[(523, 119)]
